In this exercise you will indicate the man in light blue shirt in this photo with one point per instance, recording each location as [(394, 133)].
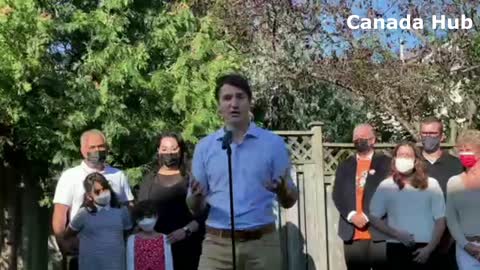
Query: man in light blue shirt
[(261, 174)]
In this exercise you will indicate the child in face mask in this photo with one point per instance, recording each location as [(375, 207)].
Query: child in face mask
[(100, 224), (148, 249)]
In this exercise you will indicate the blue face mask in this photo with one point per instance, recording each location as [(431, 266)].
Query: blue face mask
[(103, 198), (431, 144)]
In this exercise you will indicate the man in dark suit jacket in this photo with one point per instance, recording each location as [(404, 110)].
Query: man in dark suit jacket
[(356, 180)]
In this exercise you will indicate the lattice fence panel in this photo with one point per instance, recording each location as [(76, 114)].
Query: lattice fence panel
[(300, 148), (334, 155)]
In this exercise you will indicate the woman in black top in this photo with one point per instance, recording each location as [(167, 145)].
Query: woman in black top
[(167, 185)]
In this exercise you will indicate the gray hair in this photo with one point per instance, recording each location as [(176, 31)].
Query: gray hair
[(85, 134), (357, 127), (469, 136)]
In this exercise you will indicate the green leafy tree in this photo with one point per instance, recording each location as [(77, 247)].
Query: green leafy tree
[(130, 68), (149, 68)]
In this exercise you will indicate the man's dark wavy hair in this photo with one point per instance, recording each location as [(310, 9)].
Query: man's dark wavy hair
[(236, 80)]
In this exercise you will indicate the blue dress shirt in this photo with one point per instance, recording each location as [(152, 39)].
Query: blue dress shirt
[(261, 157)]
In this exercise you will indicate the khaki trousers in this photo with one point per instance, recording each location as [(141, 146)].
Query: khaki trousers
[(261, 254)]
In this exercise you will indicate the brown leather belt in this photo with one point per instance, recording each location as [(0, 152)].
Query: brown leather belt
[(473, 238), (242, 235)]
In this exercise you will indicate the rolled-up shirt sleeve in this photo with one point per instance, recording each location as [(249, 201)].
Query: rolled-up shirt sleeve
[(199, 171), (127, 192), (64, 190), (281, 163), (126, 219), (79, 220)]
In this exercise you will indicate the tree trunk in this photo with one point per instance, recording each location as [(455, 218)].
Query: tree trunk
[(3, 200), (35, 226), (14, 210), (27, 223)]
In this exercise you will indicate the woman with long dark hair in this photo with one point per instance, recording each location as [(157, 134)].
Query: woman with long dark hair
[(166, 184), (415, 210)]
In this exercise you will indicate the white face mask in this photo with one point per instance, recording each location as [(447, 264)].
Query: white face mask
[(103, 198), (147, 224), (404, 165)]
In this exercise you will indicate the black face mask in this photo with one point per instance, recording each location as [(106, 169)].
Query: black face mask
[(362, 145), (97, 158), (169, 160)]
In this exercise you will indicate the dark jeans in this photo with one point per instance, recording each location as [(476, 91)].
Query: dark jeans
[(400, 257), (445, 259), (70, 262), (186, 253), (445, 253), (365, 255)]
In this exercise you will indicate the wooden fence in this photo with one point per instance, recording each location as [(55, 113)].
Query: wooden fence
[(309, 229)]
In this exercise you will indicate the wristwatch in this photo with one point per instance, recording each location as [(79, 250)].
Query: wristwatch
[(187, 230)]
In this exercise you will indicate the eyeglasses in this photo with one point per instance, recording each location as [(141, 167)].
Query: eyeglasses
[(436, 133)]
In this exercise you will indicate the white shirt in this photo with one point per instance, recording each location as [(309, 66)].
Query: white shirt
[(70, 190)]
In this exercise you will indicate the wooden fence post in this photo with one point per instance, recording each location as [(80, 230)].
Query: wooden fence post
[(315, 216), (452, 138)]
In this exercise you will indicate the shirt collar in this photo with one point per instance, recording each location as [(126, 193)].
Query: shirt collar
[(100, 208), (369, 157), (439, 159), (252, 131), (89, 170)]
